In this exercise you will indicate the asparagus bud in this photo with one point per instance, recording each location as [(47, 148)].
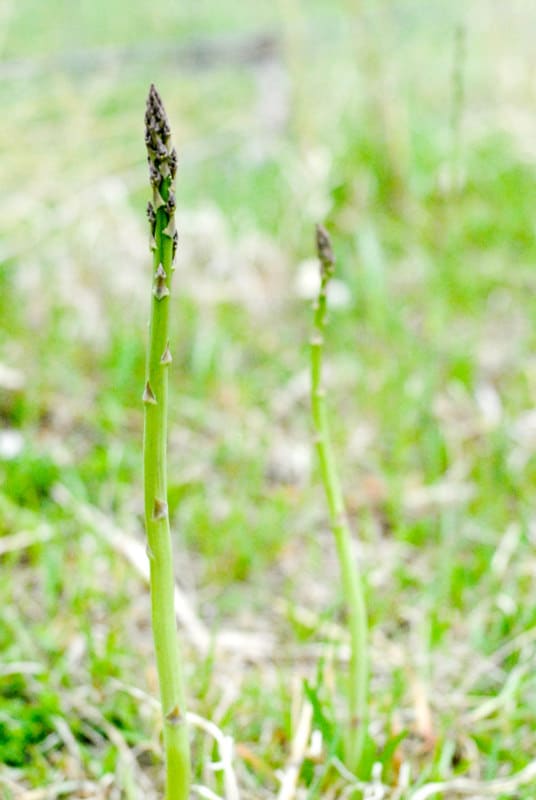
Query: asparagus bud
[(325, 253), (162, 159)]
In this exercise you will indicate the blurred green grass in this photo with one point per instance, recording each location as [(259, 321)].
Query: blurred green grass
[(432, 374)]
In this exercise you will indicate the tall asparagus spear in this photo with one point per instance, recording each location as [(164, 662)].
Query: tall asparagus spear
[(351, 579), (162, 158)]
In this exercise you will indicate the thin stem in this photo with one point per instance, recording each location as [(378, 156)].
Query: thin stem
[(162, 167), (352, 584)]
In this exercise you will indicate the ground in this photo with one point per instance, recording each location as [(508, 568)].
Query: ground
[(409, 131)]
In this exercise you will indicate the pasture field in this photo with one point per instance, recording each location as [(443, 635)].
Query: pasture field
[(409, 130)]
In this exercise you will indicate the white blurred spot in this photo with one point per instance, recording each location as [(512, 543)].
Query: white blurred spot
[(489, 403), (307, 284), (11, 444), (10, 378), (289, 462)]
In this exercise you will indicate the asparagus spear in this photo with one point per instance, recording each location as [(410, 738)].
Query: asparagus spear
[(351, 579), (162, 159)]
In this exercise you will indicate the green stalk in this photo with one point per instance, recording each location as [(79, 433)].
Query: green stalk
[(162, 158), (352, 585)]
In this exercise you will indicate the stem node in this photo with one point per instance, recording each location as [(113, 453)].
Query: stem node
[(166, 357), (174, 717), (160, 509), (148, 396)]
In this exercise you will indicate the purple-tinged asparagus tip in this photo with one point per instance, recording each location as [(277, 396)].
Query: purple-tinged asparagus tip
[(324, 251), (162, 156)]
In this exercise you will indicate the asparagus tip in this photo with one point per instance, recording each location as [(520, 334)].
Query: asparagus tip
[(161, 156), (324, 251)]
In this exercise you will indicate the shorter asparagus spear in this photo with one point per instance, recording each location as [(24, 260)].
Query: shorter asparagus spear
[(356, 728)]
